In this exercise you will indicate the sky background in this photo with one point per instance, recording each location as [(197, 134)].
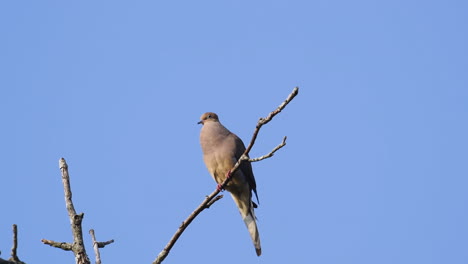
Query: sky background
[(375, 166)]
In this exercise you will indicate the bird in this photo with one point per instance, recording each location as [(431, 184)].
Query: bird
[(221, 149)]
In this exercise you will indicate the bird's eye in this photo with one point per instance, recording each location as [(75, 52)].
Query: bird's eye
[(209, 116)]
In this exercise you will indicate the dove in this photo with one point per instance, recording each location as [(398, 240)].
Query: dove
[(221, 150)]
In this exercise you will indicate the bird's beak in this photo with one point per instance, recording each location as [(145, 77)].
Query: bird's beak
[(200, 122)]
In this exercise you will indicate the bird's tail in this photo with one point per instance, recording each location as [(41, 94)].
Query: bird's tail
[(246, 210), (251, 225)]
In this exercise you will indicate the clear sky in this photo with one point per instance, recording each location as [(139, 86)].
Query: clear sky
[(375, 170)]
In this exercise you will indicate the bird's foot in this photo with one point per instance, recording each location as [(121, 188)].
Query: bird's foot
[(228, 175), (219, 187)]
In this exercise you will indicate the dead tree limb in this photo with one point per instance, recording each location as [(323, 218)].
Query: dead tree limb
[(62, 245), (14, 257), (245, 157), (77, 246), (214, 201), (269, 155), (98, 245)]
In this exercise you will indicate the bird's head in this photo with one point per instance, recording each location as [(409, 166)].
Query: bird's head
[(208, 117)]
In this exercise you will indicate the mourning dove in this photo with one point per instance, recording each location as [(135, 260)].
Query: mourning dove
[(221, 150)]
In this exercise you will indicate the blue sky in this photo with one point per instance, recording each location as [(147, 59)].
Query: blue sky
[(374, 170)]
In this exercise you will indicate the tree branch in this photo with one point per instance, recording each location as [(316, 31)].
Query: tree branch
[(245, 157), (62, 245), (14, 257), (75, 221), (263, 121), (98, 245), (269, 155), (214, 201)]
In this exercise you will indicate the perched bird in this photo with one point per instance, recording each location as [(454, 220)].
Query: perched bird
[(221, 150)]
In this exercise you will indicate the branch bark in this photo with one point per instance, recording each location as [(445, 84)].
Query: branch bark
[(214, 201), (269, 155), (75, 221), (14, 257), (62, 245), (98, 245), (245, 157)]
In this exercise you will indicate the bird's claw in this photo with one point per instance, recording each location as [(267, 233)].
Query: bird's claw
[(220, 187)]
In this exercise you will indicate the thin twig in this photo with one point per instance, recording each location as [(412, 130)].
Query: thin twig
[(214, 201), (163, 254), (98, 245), (62, 245), (269, 155), (245, 157), (263, 121), (75, 219), (105, 243), (14, 257)]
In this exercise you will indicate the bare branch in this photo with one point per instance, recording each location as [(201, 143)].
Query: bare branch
[(217, 198), (269, 155), (163, 254), (75, 220), (263, 121), (245, 157), (14, 257), (98, 245), (62, 245), (105, 243)]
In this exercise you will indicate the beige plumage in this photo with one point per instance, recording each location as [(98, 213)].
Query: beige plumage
[(221, 150)]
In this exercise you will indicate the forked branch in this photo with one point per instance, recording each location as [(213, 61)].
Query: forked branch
[(77, 246), (98, 245), (75, 221), (208, 201), (269, 155)]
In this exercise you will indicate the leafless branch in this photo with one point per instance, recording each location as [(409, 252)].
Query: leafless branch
[(14, 257), (269, 155), (98, 245), (263, 121), (214, 200), (105, 243), (62, 245), (245, 157), (75, 220)]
